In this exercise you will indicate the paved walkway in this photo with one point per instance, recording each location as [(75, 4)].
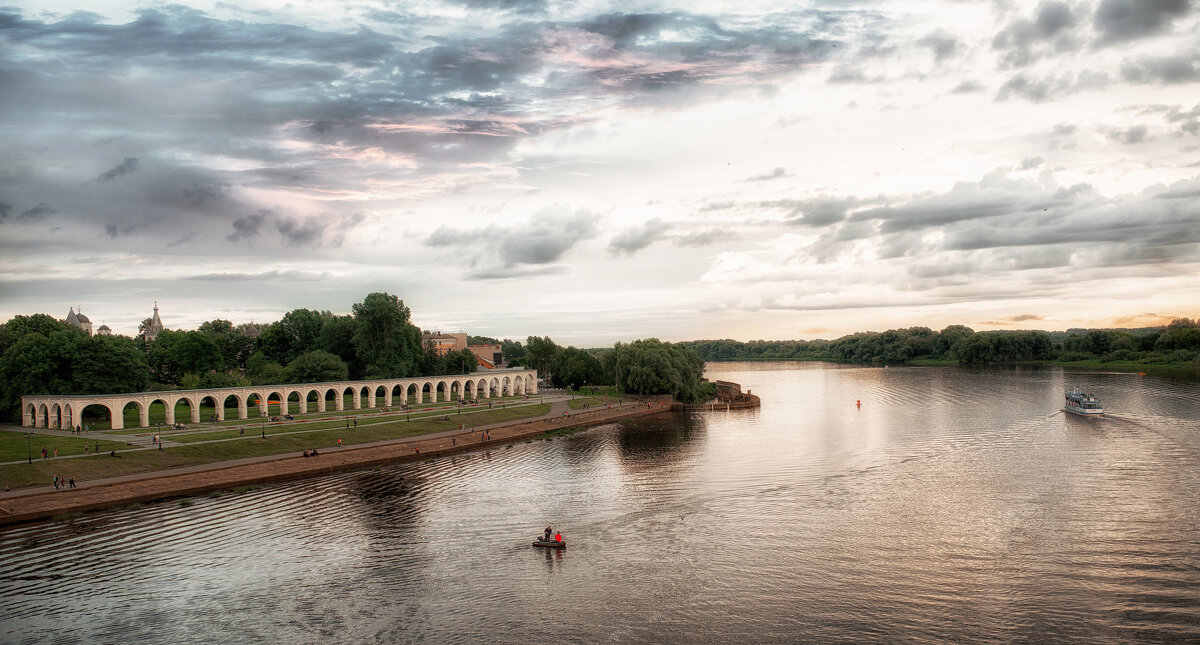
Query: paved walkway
[(39, 502)]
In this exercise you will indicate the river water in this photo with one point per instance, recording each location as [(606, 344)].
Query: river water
[(955, 505)]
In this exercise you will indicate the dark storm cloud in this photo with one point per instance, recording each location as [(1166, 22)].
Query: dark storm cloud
[(459, 99), (544, 239), (635, 239), (5, 209), (1166, 70), (127, 166), (248, 227), (1025, 40), (1122, 20), (37, 213)]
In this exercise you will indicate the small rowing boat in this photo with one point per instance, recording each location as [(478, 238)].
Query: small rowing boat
[(550, 544)]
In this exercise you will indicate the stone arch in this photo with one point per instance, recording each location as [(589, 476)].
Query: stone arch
[(141, 410), (494, 388), (293, 396), (151, 412), (218, 410), (31, 414), (192, 409), (258, 399), (353, 392), (441, 392), (331, 396), (54, 418), (107, 412), (238, 404), (279, 396), (412, 394)]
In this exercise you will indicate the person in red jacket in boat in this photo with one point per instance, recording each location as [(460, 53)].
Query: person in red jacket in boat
[(558, 536)]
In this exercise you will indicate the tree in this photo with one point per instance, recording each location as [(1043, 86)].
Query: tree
[(299, 331), (337, 338), (262, 370), (316, 366), (651, 366), (109, 364), (573, 368), (514, 353), (540, 353), (388, 345)]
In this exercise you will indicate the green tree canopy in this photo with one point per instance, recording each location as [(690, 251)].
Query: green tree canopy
[(388, 345), (650, 366), (317, 366)]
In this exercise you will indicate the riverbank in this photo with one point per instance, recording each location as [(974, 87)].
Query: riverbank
[(37, 504)]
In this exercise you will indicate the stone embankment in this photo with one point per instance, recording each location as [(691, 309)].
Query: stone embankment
[(181, 482), (744, 402)]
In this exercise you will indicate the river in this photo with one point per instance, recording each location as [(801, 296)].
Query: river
[(955, 505)]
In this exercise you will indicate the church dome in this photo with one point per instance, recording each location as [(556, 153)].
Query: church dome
[(82, 318)]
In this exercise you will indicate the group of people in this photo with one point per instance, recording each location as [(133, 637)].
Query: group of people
[(557, 536), (311, 452), (61, 482)]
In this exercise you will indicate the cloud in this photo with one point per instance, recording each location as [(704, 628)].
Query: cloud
[(1131, 135), (633, 240), (1025, 317), (777, 173), (1165, 70), (287, 275), (127, 166), (37, 213), (1024, 41), (247, 228), (1123, 20), (1029, 163), (505, 252), (942, 44), (5, 209), (967, 87)]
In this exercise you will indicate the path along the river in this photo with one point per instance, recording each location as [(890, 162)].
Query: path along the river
[(31, 504)]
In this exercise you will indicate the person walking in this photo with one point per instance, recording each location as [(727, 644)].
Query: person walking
[(72, 481), (56, 482)]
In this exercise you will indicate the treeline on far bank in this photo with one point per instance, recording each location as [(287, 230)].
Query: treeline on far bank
[(1176, 344), (42, 355)]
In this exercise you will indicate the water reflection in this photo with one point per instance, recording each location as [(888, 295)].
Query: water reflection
[(954, 505)]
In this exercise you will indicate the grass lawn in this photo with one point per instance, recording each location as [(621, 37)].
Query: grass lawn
[(13, 446), (102, 466)]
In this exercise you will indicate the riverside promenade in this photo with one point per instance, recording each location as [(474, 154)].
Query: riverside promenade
[(32, 504)]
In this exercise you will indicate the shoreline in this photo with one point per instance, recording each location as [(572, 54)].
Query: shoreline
[(20, 508)]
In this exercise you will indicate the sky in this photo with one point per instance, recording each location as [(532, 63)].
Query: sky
[(604, 171)]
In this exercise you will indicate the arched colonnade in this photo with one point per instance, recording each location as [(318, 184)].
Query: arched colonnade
[(50, 411)]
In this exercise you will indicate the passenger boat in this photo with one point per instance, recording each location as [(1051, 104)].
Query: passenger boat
[(1083, 404), (550, 544)]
